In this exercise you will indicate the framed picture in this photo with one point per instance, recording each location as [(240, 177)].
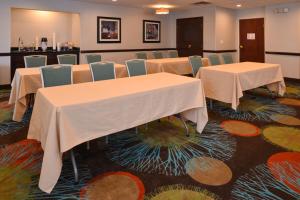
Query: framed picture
[(151, 31), (108, 30)]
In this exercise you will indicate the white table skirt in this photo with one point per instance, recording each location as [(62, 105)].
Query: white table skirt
[(178, 66), (28, 81), (66, 116), (226, 83)]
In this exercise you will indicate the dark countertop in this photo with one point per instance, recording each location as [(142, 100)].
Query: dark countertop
[(14, 50)]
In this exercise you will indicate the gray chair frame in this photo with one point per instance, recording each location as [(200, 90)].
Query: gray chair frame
[(126, 63), (154, 52), (173, 51), (87, 58), (34, 56), (225, 56), (63, 55), (144, 53), (92, 72), (216, 55), (54, 66), (194, 74)]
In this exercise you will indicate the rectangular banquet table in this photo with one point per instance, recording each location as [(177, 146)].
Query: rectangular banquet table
[(28, 80), (227, 82), (180, 66), (66, 116)]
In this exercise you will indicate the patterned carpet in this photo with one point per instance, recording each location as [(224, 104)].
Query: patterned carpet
[(251, 154)]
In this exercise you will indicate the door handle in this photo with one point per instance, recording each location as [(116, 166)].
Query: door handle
[(189, 46), (241, 46)]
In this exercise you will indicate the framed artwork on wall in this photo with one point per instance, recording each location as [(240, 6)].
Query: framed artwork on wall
[(151, 31), (108, 30)]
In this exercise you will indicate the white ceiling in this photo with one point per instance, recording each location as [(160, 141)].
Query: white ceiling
[(183, 4)]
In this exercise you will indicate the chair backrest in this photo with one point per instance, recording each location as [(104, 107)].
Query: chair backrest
[(55, 75), (227, 58), (157, 54), (141, 55), (92, 58), (196, 63), (173, 54), (103, 71), (214, 59), (35, 61), (136, 67), (67, 59)]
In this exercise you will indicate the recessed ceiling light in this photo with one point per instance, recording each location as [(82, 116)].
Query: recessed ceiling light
[(162, 6), (238, 5), (114, 0), (162, 11)]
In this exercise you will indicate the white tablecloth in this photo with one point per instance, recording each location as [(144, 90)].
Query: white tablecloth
[(28, 80), (178, 66), (66, 116), (226, 83)]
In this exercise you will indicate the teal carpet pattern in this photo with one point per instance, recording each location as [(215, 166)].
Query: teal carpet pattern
[(250, 154)]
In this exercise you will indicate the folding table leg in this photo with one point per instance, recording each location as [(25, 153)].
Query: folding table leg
[(146, 128), (74, 165), (88, 146), (185, 126), (211, 104)]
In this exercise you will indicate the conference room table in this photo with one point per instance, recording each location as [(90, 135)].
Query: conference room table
[(227, 82), (66, 116), (180, 66), (28, 80)]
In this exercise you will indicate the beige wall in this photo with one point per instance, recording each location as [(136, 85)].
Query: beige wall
[(225, 28), (282, 31), (218, 26), (208, 14), (132, 19), (28, 24), (246, 14), (281, 35)]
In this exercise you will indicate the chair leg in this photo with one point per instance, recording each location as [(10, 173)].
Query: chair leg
[(136, 130), (106, 139), (88, 146), (74, 166), (146, 128), (185, 126), (211, 104)]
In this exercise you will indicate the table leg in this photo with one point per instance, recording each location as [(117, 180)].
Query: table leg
[(74, 165), (211, 104), (88, 146), (185, 126)]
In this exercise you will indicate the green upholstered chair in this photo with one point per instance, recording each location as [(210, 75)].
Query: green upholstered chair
[(136, 67), (55, 75), (227, 58), (214, 59), (103, 71), (157, 54), (173, 54), (67, 59), (196, 63), (141, 55), (92, 58), (35, 61)]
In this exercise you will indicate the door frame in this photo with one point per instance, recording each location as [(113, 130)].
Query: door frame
[(200, 17), (239, 36)]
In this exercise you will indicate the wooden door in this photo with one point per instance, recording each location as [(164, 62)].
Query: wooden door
[(189, 36), (252, 40)]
